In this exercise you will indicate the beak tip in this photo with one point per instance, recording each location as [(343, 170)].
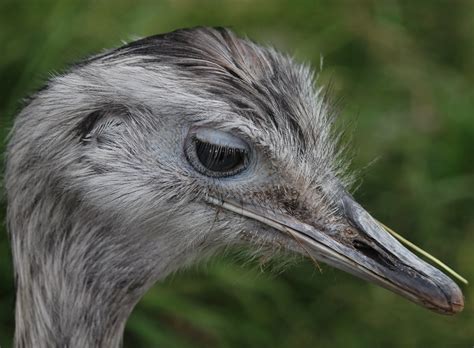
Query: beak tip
[(454, 300), (457, 307), (457, 301)]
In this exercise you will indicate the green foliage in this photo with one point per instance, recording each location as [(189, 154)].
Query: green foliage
[(406, 71)]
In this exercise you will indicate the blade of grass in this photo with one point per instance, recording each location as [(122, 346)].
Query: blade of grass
[(425, 254)]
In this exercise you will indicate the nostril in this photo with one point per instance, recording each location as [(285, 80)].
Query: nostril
[(372, 253)]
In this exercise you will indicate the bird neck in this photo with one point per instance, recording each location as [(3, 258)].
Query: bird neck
[(77, 280)]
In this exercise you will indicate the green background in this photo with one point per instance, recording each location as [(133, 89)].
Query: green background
[(405, 73)]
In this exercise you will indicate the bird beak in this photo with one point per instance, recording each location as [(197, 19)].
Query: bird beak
[(365, 249)]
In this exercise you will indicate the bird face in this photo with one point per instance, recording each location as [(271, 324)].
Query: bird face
[(317, 219), (199, 140)]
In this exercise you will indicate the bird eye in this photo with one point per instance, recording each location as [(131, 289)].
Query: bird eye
[(215, 153)]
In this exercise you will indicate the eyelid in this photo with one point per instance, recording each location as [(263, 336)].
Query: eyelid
[(219, 145), (220, 138)]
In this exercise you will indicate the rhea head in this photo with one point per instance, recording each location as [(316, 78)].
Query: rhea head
[(149, 157)]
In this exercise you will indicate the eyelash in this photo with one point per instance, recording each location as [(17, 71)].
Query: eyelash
[(199, 151)]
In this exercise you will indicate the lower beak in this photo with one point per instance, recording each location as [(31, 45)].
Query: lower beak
[(365, 249)]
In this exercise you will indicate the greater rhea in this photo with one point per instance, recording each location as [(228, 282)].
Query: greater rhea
[(149, 157)]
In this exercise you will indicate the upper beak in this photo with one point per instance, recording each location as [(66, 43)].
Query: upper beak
[(365, 249)]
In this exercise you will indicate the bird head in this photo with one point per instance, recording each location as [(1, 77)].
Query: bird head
[(188, 142)]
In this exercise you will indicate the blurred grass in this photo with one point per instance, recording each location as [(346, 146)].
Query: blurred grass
[(406, 71)]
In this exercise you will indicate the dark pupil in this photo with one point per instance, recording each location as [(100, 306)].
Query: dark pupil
[(219, 158)]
